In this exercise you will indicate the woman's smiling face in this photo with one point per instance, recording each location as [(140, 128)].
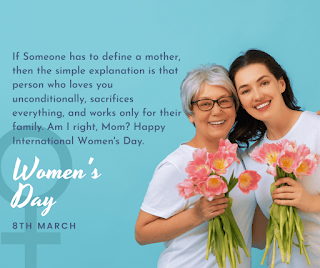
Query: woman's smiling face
[(217, 122), (260, 93)]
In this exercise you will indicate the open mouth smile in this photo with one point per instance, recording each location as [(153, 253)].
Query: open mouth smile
[(217, 122), (263, 105)]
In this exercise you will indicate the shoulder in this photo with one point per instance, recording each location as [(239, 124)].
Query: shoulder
[(162, 198), (308, 125), (178, 159), (310, 117)]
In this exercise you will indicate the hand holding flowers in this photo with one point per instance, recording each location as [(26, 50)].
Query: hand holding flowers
[(286, 162), (293, 194), (205, 210), (205, 178)]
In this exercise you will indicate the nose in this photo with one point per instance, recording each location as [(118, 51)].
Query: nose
[(216, 109), (257, 94)]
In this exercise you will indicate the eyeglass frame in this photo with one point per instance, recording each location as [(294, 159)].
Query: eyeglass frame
[(214, 102)]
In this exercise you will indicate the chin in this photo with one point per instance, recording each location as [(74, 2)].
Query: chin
[(220, 135)]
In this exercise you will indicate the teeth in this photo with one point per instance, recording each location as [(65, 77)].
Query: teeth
[(217, 123), (263, 105)]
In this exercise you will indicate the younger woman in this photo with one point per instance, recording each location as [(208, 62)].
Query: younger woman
[(269, 113)]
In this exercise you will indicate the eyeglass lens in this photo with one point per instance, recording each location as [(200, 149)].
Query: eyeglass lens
[(205, 105)]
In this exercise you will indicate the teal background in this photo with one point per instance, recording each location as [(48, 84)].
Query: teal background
[(105, 210)]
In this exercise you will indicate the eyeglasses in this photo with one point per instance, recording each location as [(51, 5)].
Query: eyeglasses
[(207, 104)]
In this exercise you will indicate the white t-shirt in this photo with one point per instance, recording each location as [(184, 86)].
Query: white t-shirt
[(305, 131), (162, 200)]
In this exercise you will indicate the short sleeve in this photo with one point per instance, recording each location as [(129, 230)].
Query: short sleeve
[(162, 198)]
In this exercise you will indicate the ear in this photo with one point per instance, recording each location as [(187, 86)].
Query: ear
[(190, 117), (282, 84)]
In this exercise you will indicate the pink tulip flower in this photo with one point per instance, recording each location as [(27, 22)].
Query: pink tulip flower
[(248, 180), (212, 186), (186, 189), (227, 146), (272, 169), (303, 150), (198, 167), (220, 161), (200, 153), (314, 157), (307, 165), (268, 153), (290, 146), (288, 161)]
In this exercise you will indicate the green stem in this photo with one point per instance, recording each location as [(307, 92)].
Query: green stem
[(305, 253), (236, 231), (235, 246), (218, 242), (210, 230), (228, 249), (273, 253)]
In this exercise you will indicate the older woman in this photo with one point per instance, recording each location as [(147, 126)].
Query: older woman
[(209, 100)]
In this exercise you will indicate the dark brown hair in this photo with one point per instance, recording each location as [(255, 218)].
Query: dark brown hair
[(246, 127)]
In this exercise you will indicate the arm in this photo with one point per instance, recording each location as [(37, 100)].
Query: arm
[(259, 228), (153, 229), (295, 195)]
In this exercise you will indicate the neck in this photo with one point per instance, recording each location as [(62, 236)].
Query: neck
[(278, 127), (212, 146)]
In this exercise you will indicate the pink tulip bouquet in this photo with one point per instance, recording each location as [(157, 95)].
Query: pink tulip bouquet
[(285, 159), (205, 178)]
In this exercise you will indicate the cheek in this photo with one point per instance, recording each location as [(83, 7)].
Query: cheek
[(244, 100), (232, 116)]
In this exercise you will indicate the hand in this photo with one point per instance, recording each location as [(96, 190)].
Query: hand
[(206, 210), (293, 195)]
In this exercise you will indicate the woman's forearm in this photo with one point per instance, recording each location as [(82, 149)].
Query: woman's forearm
[(160, 230), (153, 229)]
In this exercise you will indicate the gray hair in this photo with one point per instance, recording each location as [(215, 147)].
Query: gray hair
[(215, 75)]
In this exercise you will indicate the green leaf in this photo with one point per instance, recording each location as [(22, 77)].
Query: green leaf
[(224, 179), (283, 219), (210, 234), (272, 188), (269, 239), (230, 201), (218, 242), (236, 231), (278, 238), (235, 246), (279, 169), (275, 213), (228, 250), (299, 224)]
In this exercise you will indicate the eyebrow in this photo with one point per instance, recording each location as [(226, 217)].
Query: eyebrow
[(207, 98), (260, 78)]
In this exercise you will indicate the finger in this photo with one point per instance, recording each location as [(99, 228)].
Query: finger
[(289, 196), (218, 207), (284, 189), (219, 196), (287, 180), (283, 202), (215, 202), (217, 213)]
